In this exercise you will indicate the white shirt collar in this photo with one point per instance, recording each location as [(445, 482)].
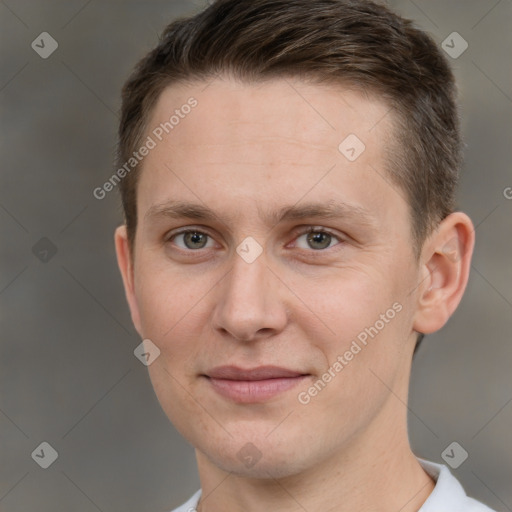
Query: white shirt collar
[(448, 495)]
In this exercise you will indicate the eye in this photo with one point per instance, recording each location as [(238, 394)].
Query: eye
[(191, 239), (317, 239)]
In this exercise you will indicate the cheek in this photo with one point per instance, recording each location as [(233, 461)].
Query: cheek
[(164, 294), (359, 361), (169, 304), (362, 320), (347, 302)]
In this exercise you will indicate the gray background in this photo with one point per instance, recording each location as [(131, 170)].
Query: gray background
[(68, 375)]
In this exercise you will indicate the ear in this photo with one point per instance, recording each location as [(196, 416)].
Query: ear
[(125, 263), (445, 264)]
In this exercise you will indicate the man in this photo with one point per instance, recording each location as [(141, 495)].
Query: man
[(288, 190)]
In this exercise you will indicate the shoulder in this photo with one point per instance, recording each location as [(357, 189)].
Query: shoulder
[(190, 505), (448, 494)]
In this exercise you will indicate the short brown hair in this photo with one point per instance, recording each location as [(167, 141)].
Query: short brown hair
[(356, 42)]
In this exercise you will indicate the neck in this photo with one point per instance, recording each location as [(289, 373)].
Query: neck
[(373, 470)]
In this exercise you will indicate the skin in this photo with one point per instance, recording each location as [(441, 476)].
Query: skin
[(244, 151)]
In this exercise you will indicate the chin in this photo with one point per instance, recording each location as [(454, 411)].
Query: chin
[(259, 456), (265, 468)]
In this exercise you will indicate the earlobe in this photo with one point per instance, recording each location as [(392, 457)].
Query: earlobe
[(125, 263), (446, 263)]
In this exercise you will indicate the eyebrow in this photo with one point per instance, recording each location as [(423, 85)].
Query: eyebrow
[(324, 210)]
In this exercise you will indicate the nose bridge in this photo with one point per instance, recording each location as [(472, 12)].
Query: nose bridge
[(246, 283), (248, 301)]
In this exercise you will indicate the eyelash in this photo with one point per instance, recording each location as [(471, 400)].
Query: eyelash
[(297, 234)]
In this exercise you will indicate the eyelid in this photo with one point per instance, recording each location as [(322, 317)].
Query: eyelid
[(308, 228), (186, 229)]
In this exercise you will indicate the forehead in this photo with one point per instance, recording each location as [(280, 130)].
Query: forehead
[(281, 109), (270, 143)]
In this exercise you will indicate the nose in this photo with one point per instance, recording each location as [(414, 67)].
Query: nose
[(250, 301)]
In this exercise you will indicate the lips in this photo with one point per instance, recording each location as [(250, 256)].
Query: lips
[(259, 373), (253, 385)]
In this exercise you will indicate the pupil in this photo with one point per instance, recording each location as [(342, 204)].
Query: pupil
[(316, 238), (195, 238)]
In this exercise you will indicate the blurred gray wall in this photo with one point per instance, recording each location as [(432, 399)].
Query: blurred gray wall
[(68, 375)]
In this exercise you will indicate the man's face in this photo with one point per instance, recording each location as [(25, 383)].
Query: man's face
[(209, 300)]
